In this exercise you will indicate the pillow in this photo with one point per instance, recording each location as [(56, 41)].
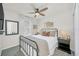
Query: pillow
[(52, 33), (46, 33)]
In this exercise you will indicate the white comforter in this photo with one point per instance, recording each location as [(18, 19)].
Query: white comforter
[(51, 41)]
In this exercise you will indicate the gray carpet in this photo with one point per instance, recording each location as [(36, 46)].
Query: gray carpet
[(60, 53), (14, 51)]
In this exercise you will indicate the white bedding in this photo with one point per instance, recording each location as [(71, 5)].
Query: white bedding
[(51, 41)]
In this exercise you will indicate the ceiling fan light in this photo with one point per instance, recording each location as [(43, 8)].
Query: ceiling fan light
[(37, 14)]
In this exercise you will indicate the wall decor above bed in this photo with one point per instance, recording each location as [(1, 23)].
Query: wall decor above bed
[(49, 24)]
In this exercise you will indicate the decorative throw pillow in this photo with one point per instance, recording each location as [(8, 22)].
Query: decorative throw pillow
[(46, 33)]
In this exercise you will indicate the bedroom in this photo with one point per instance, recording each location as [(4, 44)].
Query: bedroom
[(57, 16)]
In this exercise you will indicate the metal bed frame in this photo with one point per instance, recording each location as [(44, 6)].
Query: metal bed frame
[(29, 46)]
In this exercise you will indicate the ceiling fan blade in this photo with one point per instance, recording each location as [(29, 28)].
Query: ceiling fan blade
[(43, 9), (42, 14)]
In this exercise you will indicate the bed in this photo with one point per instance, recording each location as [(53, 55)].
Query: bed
[(39, 45)]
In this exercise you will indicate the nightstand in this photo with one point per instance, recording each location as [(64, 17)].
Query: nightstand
[(64, 45)]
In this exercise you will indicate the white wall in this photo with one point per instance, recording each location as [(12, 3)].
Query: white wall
[(64, 22), (10, 40), (25, 24)]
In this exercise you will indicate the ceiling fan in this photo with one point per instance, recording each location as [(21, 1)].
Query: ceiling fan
[(38, 11)]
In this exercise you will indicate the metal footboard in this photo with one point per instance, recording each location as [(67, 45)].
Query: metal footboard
[(29, 46)]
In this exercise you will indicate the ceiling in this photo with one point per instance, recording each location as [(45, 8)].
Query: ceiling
[(53, 8)]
